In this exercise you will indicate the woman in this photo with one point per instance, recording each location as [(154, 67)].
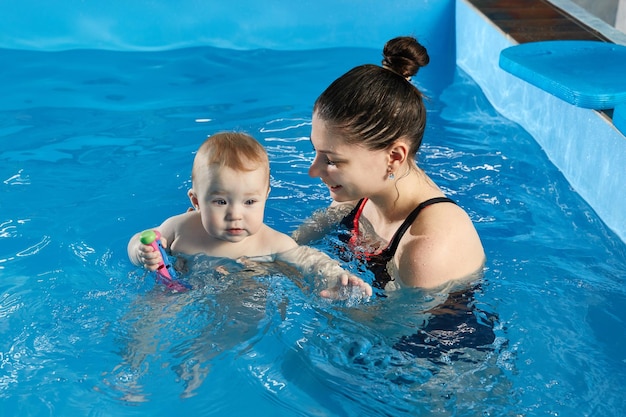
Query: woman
[(367, 128)]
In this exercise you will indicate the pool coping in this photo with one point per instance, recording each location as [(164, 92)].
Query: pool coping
[(584, 146)]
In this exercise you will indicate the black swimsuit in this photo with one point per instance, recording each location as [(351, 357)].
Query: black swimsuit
[(377, 261), (455, 324)]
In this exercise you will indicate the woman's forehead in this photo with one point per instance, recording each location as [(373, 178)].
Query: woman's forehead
[(324, 138)]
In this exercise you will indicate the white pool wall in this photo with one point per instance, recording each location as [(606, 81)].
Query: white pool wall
[(583, 144)]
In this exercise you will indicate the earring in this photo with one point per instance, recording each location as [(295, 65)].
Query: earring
[(391, 176)]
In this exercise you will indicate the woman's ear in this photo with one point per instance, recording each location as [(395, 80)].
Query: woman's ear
[(398, 153), (193, 198)]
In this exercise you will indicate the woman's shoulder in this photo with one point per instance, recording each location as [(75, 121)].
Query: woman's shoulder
[(442, 245), (442, 214), (446, 225)]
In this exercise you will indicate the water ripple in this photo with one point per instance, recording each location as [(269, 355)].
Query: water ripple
[(18, 179), (36, 248)]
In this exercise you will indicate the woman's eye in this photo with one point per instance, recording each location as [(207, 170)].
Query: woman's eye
[(329, 162)]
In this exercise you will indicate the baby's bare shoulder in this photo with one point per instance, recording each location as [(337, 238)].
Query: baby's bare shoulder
[(278, 241), (181, 221), (188, 225)]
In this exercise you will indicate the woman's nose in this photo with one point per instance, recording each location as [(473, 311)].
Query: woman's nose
[(314, 169)]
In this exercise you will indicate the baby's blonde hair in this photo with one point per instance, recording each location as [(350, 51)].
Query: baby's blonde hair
[(238, 151)]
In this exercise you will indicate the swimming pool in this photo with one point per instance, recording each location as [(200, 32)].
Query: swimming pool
[(83, 333)]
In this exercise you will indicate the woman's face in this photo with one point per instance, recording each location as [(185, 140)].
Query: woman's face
[(349, 171)]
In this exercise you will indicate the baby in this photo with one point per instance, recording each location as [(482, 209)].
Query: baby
[(230, 186)]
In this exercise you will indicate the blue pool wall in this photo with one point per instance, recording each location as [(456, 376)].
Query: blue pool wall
[(238, 24), (583, 144)]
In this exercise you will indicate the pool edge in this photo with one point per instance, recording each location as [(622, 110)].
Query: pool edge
[(594, 168)]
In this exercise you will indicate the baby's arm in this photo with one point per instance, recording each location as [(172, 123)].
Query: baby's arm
[(144, 255), (310, 261)]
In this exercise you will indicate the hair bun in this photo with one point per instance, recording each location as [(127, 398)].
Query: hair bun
[(404, 55)]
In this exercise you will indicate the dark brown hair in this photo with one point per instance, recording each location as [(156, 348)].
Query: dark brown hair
[(405, 55), (374, 106)]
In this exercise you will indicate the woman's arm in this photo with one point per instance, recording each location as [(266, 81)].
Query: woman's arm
[(334, 279), (321, 223)]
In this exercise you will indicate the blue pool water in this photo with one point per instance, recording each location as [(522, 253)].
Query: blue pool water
[(97, 145)]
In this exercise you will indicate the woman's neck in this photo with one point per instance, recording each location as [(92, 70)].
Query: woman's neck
[(402, 195)]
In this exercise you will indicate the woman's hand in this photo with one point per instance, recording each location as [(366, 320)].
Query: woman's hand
[(347, 286)]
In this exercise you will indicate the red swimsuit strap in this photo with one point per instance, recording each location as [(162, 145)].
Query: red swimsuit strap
[(357, 216), (355, 221), (395, 240), (356, 232)]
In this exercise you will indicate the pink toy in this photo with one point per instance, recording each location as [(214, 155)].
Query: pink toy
[(166, 274)]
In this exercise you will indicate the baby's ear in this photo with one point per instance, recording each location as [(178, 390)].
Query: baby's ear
[(193, 198)]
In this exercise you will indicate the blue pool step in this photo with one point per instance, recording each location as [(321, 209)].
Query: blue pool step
[(588, 74)]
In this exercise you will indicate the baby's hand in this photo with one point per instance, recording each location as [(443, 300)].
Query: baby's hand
[(150, 258), (346, 286)]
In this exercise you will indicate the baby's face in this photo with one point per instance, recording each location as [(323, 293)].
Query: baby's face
[(231, 203)]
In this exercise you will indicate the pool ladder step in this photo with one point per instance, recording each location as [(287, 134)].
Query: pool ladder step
[(588, 74)]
